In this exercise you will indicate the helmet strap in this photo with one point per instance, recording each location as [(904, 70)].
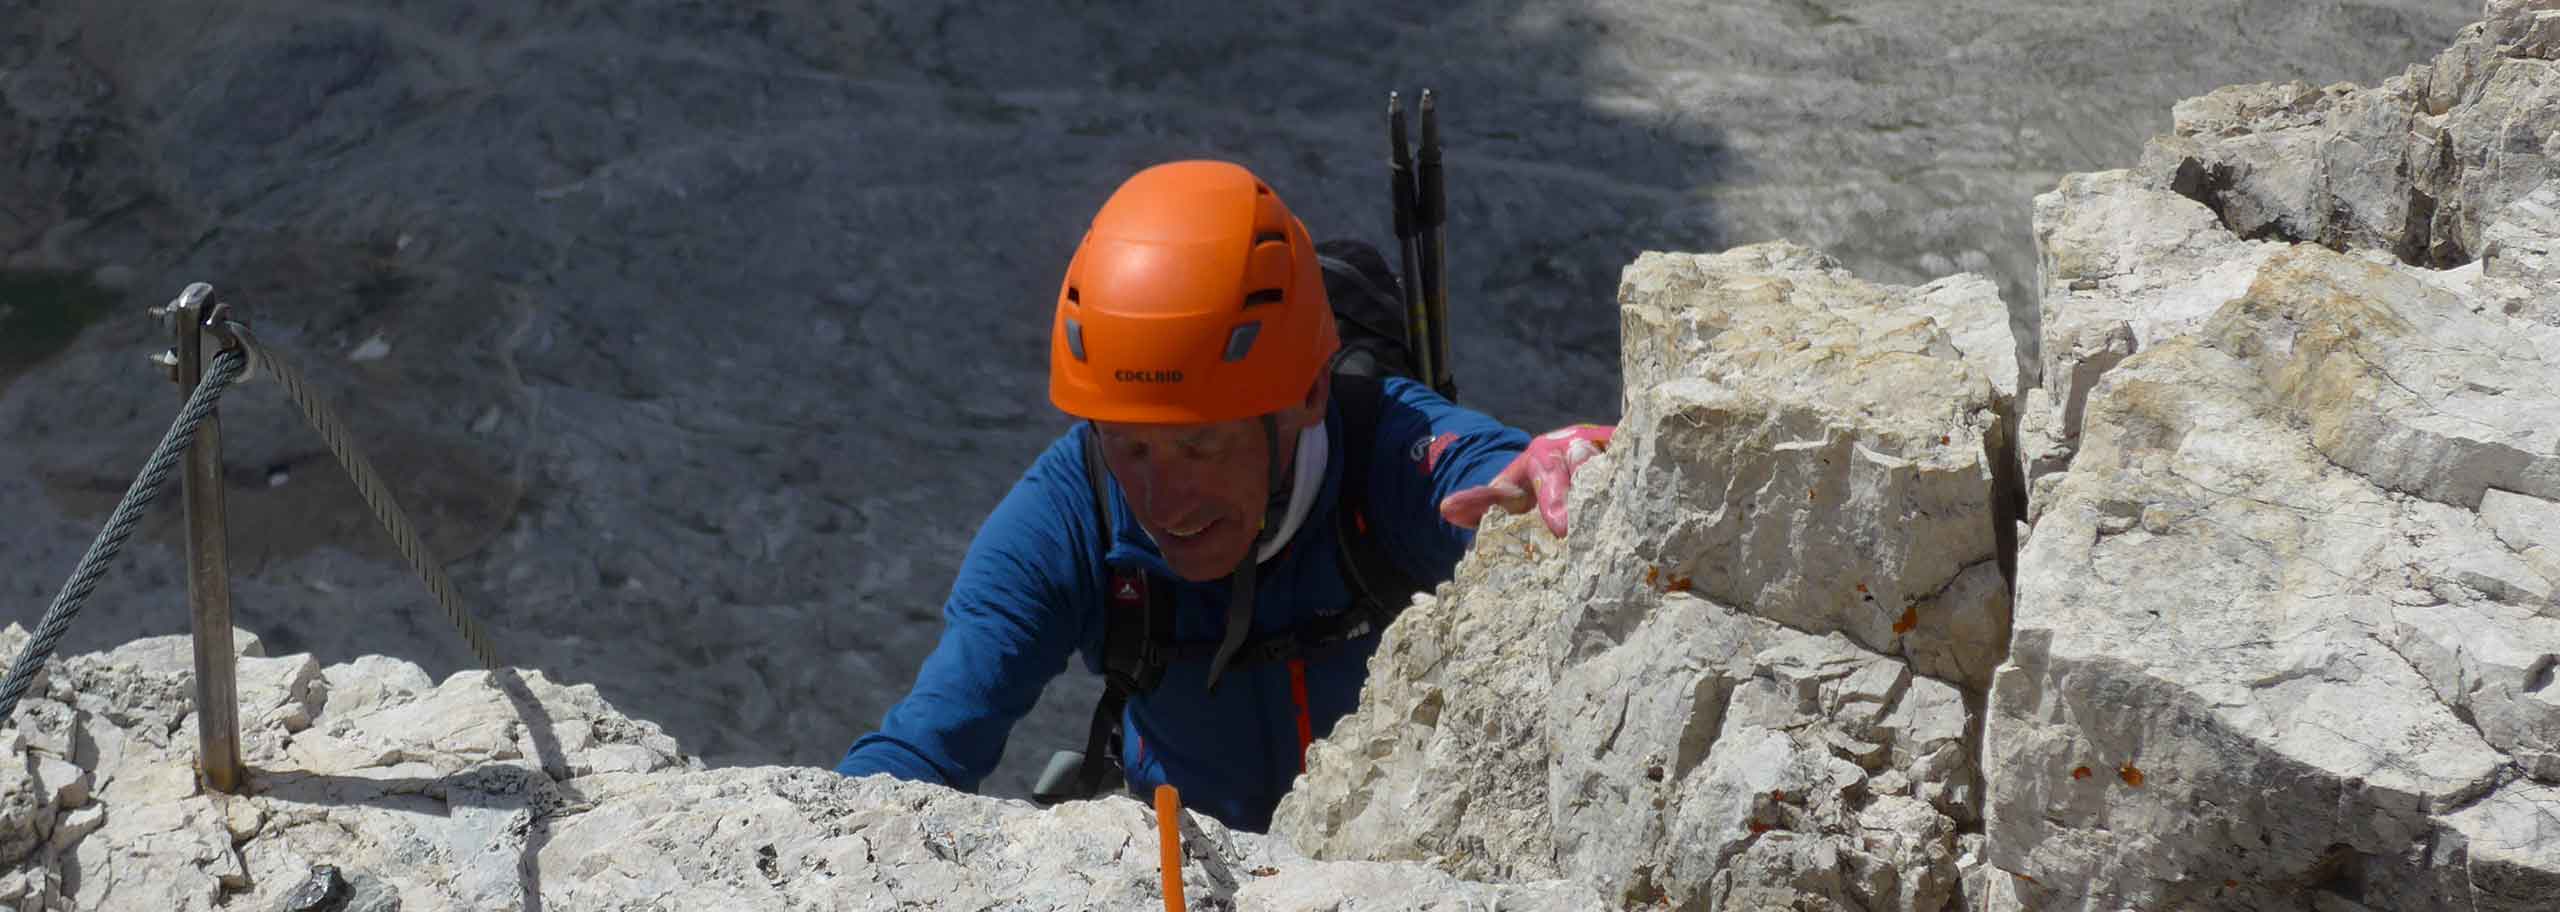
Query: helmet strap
[(1240, 598)]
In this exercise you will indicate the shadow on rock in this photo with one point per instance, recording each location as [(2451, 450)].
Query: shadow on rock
[(515, 804)]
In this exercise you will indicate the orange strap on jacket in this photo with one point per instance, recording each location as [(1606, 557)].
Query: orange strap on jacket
[(1169, 838), (1306, 726)]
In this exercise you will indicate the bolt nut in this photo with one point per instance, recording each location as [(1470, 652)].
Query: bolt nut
[(194, 296)]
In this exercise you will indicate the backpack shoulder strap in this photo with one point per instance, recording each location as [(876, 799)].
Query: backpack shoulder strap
[(1379, 586), (1096, 482), (1137, 631)]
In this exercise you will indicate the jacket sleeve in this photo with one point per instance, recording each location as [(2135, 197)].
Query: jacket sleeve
[(1428, 448), (1017, 612)]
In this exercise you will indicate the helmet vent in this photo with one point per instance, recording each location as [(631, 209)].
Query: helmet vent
[(1072, 296), (1265, 296), (1075, 338), (1261, 189), (1267, 270), (1240, 341), (1270, 237)]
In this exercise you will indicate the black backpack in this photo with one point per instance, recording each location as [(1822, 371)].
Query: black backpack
[(1137, 642)]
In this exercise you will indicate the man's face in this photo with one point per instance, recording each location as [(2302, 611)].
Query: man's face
[(1200, 489)]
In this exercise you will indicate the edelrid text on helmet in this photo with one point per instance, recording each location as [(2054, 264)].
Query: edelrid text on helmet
[(1195, 297)]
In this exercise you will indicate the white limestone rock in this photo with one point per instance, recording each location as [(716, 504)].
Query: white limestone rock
[(2530, 526), (1706, 721), (2270, 679), (2520, 263), (510, 791), (2285, 624), (2043, 451), (2417, 167), (1355, 885), (2121, 267), (2399, 381), (281, 693), (1710, 730), (372, 681), (1812, 449), (2491, 664), (2507, 841), (1448, 758), (1968, 309)]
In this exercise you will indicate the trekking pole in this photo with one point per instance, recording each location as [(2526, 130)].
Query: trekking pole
[(1434, 206), (1169, 840), (1417, 324)]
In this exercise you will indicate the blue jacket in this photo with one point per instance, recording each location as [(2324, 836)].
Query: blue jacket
[(1030, 595)]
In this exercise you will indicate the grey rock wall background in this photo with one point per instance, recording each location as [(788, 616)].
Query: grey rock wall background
[(701, 336)]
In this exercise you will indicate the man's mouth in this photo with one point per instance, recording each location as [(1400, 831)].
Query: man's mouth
[(1190, 531)]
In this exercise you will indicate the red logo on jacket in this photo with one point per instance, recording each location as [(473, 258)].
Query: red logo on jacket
[(1426, 451)]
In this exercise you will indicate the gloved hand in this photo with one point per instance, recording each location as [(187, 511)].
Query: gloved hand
[(1540, 476)]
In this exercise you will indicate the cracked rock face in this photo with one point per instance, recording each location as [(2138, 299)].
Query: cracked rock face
[(2443, 167), (2103, 240), (2241, 672), (2418, 167), (1821, 452), (2288, 613), (1744, 678), (509, 791)]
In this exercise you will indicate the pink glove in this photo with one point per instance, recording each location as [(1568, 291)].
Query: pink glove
[(1541, 475)]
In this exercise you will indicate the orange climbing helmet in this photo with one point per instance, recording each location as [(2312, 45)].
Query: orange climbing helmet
[(1195, 297)]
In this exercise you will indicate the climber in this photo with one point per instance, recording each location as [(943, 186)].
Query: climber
[(1253, 490)]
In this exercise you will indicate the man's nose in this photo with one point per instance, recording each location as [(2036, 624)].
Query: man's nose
[(1165, 486)]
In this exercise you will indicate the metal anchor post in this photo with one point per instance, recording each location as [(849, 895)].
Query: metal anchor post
[(208, 563)]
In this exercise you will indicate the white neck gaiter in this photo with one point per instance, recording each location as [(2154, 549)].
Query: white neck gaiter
[(1308, 475)]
